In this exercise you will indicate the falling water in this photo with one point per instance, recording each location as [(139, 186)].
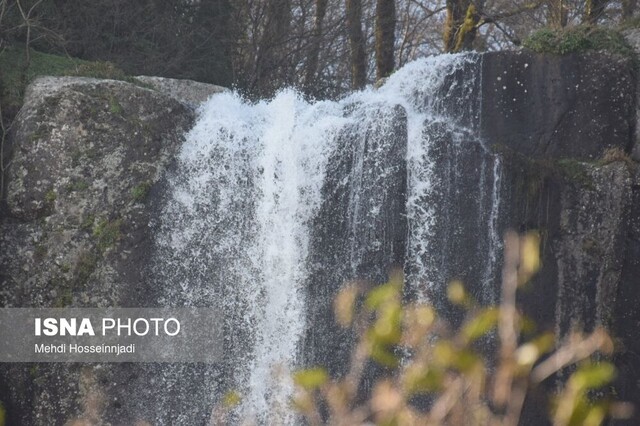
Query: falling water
[(247, 189)]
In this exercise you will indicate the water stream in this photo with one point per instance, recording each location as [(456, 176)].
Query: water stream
[(253, 180)]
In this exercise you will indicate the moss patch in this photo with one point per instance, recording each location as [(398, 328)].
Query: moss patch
[(42, 132), (114, 106), (40, 251), (139, 192), (87, 222), (535, 172), (50, 196), (575, 171), (64, 298), (107, 233), (78, 155), (578, 39)]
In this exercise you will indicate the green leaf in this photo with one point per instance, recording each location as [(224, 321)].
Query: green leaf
[(386, 329), (456, 293), (465, 360), (481, 324), (311, 378), (231, 399), (587, 414), (382, 355), (382, 294), (424, 381), (593, 376)]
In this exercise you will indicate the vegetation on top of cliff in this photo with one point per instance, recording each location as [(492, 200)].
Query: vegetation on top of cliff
[(16, 73), (325, 48), (616, 154), (578, 39)]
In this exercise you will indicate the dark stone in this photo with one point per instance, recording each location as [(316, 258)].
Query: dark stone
[(465, 244), (360, 230), (576, 106)]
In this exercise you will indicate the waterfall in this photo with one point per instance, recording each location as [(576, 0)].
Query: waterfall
[(272, 205)]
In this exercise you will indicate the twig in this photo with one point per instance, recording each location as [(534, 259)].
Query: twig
[(575, 350)]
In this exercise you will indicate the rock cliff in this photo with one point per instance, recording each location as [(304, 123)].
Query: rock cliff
[(89, 158)]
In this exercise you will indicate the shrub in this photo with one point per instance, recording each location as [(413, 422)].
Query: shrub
[(578, 39), (615, 154), (425, 357)]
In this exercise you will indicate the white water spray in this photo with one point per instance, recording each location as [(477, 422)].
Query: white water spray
[(235, 229)]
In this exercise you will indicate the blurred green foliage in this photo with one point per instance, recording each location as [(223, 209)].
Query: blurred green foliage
[(466, 383)]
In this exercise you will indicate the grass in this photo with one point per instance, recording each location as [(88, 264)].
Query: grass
[(578, 39), (14, 78)]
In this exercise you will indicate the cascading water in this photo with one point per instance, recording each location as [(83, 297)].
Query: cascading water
[(273, 205)]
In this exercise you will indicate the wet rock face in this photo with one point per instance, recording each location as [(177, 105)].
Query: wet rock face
[(360, 230), (87, 156), (576, 106), (632, 36), (556, 121)]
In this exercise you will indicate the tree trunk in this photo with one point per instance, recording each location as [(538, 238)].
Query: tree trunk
[(356, 44), (460, 25), (557, 14), (314, 50), (594, 11), (628, 8), (385, 37), (271, 58)]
